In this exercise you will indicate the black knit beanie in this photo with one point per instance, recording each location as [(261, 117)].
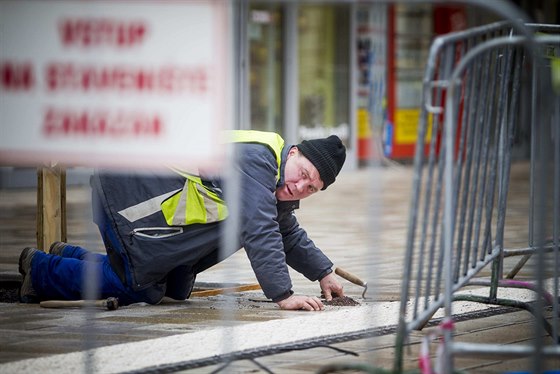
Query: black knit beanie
[(327, 155)]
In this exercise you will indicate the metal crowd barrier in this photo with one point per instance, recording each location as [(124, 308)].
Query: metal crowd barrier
[(478, 85)]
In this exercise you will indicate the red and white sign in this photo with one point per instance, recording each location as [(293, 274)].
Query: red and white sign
[(136, 83)]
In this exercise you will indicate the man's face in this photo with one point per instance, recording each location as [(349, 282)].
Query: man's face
[(301, 178)]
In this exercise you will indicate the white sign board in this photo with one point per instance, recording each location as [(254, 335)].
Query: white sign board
[(134, 83)]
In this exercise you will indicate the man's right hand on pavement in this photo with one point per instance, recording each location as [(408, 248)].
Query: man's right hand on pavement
[(295, 302)]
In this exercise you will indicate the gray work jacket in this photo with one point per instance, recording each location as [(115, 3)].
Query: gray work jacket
[(154, 253)]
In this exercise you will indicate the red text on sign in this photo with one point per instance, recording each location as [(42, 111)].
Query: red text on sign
[(16, 76), (101, 124), (121, 78), (94, 32)]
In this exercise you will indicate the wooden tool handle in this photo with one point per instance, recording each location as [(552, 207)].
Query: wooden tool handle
[(110, 303), (349, 277), (62, 303), (220, 291)]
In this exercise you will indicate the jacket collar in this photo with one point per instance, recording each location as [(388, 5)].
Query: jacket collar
[(284, 156), (285, 205)]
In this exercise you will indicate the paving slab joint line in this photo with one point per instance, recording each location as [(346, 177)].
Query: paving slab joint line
[(320, 342)]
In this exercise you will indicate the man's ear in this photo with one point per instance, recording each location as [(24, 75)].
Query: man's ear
[(293, 151)]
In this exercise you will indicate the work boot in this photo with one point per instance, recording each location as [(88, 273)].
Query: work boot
[(57, 248), (26, 293)]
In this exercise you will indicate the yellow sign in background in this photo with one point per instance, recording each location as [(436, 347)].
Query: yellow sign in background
[(406, 126), (364, 130)]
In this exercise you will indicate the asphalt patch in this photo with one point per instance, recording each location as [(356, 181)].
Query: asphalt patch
[(342, 301), (9, 292)]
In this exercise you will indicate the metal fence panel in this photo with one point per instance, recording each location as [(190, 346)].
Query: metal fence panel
[(477, 83)]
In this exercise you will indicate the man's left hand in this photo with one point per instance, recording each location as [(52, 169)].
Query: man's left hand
[(330, 287)]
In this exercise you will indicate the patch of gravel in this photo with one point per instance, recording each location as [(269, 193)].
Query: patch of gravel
[(9, 292), (342, 301)]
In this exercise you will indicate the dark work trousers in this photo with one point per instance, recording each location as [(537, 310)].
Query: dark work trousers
[(62, 277)]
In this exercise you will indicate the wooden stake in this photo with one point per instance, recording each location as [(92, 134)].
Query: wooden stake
[(51, 206)]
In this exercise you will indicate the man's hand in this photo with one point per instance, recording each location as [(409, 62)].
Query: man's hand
[(294, 302), (331, 287)]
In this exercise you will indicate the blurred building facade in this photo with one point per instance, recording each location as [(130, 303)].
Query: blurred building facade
[(351, 69), (354, 70)]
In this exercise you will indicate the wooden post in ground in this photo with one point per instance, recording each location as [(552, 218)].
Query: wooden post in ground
[(51, 206)]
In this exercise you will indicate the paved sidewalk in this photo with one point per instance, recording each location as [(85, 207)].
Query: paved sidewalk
[(360, 222)]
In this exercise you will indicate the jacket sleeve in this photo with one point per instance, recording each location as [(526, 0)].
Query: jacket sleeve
[(301, 253), (259, 230)]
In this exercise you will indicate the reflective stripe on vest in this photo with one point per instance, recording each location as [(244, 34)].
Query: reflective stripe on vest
[(195, 203), (146, 208)]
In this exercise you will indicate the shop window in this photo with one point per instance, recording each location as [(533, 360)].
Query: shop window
[(324, 77), (265, 61)]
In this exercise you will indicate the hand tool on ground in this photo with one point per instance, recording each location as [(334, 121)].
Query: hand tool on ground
[(112, 303), (226, 290), (352, 278)]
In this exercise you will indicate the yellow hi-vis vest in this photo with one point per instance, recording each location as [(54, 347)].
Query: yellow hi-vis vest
[(196, 203)]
